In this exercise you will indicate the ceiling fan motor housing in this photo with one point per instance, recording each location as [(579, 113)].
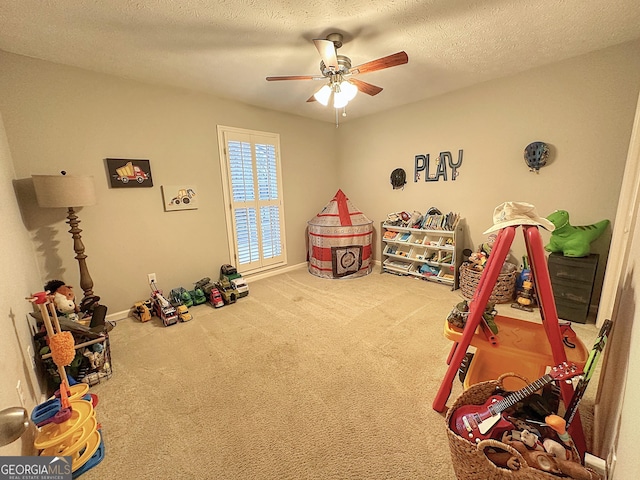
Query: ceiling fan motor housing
[(344, 64)]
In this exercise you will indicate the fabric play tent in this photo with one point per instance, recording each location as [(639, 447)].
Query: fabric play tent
[(340, 240)]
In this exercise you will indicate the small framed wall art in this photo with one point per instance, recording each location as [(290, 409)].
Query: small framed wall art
[(129, 173), (179, 197)]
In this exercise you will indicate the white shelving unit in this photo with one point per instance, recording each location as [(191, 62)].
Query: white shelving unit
[(435, 255)]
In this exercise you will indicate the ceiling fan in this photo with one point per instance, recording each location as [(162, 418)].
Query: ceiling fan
[(339, 73)]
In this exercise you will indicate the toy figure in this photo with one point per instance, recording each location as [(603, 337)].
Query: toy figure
[(63, 298), (572, 241)]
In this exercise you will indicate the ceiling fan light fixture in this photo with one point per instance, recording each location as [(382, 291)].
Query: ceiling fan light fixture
[(340, 99), (322, 95), (349, 89)]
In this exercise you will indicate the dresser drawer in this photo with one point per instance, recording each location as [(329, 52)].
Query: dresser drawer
[(572, 311), (581, 269), (573, 291)]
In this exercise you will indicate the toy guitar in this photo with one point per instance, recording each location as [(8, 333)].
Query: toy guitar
[(480, 422)]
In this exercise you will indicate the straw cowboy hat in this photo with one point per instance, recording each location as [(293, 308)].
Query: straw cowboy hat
[(517, 213)]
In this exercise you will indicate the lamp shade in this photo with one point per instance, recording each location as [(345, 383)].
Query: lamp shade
[(323, 95), (56, 191)]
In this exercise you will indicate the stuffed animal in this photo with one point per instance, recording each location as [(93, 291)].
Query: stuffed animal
[(95, 355), (570, 240), (63, 299)]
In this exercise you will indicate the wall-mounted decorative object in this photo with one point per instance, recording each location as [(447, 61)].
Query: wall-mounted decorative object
[(444, 160), (129, 173), (398, 178), (536, 155), (179, 197)]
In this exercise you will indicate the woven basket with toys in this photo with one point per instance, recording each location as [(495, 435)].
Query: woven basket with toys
[(505, 450)]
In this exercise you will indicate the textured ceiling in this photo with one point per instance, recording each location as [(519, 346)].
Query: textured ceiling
[(228, 47)]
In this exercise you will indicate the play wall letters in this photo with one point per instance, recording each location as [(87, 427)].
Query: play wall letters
[(444, 159)]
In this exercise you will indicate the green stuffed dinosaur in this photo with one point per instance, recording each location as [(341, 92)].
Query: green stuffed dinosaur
[(573, 241)]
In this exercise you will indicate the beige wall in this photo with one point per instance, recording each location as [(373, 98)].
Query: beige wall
[(19, 278), (62, 118), (582, 107)]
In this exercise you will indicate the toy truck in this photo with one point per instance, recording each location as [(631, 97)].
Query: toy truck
[(164, 309), (240, 284), (183, 313), (228, 292), (230, 274), (131, 172), (215, 298), (141, 312)]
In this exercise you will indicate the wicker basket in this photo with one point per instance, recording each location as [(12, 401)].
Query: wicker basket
[(469, 460), (503, 291)]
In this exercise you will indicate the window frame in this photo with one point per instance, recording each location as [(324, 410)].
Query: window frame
[(224, 134)]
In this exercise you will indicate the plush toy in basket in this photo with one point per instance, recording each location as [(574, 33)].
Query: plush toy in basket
[(486, 443)]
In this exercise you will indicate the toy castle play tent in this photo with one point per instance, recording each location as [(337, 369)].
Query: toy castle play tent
[(340, 240)]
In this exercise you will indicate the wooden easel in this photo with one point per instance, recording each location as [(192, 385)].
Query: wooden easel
[(548, 312)]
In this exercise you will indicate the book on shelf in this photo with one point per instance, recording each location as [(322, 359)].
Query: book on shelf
[(440, 222), (403, 237), (390, 235)]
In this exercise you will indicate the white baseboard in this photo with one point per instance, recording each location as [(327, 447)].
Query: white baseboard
[(114, 317), (276, 271)]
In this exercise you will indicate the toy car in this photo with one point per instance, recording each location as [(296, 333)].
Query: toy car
[(163, 308), (205, 285), (183, 313), (240, 284), (180, 296), (198, 296), (229, 294), (215, 298)]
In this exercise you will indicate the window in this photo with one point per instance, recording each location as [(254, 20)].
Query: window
[(250, 163)]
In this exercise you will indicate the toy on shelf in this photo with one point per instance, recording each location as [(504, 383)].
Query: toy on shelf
[(570, 240)]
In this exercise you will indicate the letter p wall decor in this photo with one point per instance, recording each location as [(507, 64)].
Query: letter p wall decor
[(439, 169)]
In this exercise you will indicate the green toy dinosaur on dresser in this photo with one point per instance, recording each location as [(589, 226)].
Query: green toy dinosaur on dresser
[(573, 241)]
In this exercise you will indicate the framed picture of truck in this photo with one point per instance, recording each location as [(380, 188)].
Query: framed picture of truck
[(129, 173), (179, 197)]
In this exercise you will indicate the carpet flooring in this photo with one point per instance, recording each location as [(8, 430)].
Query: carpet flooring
[(305, 378)]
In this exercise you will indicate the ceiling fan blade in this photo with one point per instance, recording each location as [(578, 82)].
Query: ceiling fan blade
[(399, 58), (365, 87), (312, 98), (295, 77), (327, 51)]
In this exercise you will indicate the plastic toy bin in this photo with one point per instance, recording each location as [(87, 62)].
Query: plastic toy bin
[(522, 348)]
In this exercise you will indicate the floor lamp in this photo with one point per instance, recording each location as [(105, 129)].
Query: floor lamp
[(68, 191)]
